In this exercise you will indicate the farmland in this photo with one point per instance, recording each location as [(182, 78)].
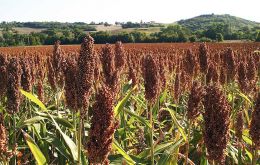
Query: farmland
[(158, 103)]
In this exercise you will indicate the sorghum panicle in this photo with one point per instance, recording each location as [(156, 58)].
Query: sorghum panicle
[(151, 78), (251, 69), (222, 76), (242, 78), (140, 146), (111, 74), (255, 123), (57, 60), (70, 74), (5, 154), (190, 63), (86, 63), (13, 85), (162, 73), (216, 119), (239, 125), (230, 64), (212, 73), (119, 56), (102, 129), (203, 57), (3, 74), (51, 74), (195, 100), (26, 77)]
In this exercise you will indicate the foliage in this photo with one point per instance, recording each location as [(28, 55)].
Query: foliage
[(202, 28)]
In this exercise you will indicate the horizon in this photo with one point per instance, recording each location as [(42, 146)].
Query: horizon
[(166, 11), (113, 23)]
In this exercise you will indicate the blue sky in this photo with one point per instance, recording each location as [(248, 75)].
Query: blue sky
[(165, 11)]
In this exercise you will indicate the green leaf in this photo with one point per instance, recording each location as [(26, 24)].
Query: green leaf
[(247, 139), (83, 159), (177, 123), (163, 97), (33, 99), (139, 118), (244, 97), (30, 121), (117, 147), (38, 155), (55, 142), (122, 103), (160, 148), (249, 154), (64, 122), (72, 146)]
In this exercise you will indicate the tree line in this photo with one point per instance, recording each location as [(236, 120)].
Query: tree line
[(172, 33)]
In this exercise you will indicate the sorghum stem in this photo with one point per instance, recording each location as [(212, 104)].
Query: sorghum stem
[(188, 144), (14, 129), (151, 133), (79, 140), (239, 154), (254, 159)]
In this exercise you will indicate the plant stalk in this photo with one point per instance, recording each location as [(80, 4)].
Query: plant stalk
[(151, 134), (188, 144), (254, 159), (14, 145), (79, 139)]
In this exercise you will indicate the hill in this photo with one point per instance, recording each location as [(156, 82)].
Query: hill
[(203, 22)]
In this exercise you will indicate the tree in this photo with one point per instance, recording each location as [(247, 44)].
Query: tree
[(139, 36), (219, 37), (193, 38), (258, 37)]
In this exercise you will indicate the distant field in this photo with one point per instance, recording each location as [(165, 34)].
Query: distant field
[(108, 28), (146, 30), (25, 30)]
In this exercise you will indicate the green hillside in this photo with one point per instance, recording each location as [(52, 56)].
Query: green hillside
[(203, 22)]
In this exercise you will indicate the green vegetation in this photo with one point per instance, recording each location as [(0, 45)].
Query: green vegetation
[(203, 22), (258, 37), (232, 28), (204, 28)]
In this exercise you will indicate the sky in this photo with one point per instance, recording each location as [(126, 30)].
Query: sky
[(163, 11)]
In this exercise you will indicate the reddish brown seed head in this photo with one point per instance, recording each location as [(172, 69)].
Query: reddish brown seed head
[(26, 77), (190, 63), (212, 73), (216, 119), (57, 60), (242, 78), (102, 129), (3, 74), (195, 100), (119, 56), (70, 73), (151, 78), (239, 125), (86, 70), (203, 57), (13, 85), (230, 64), (255, 123)]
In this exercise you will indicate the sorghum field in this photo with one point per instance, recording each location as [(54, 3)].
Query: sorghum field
[(159, 104)]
